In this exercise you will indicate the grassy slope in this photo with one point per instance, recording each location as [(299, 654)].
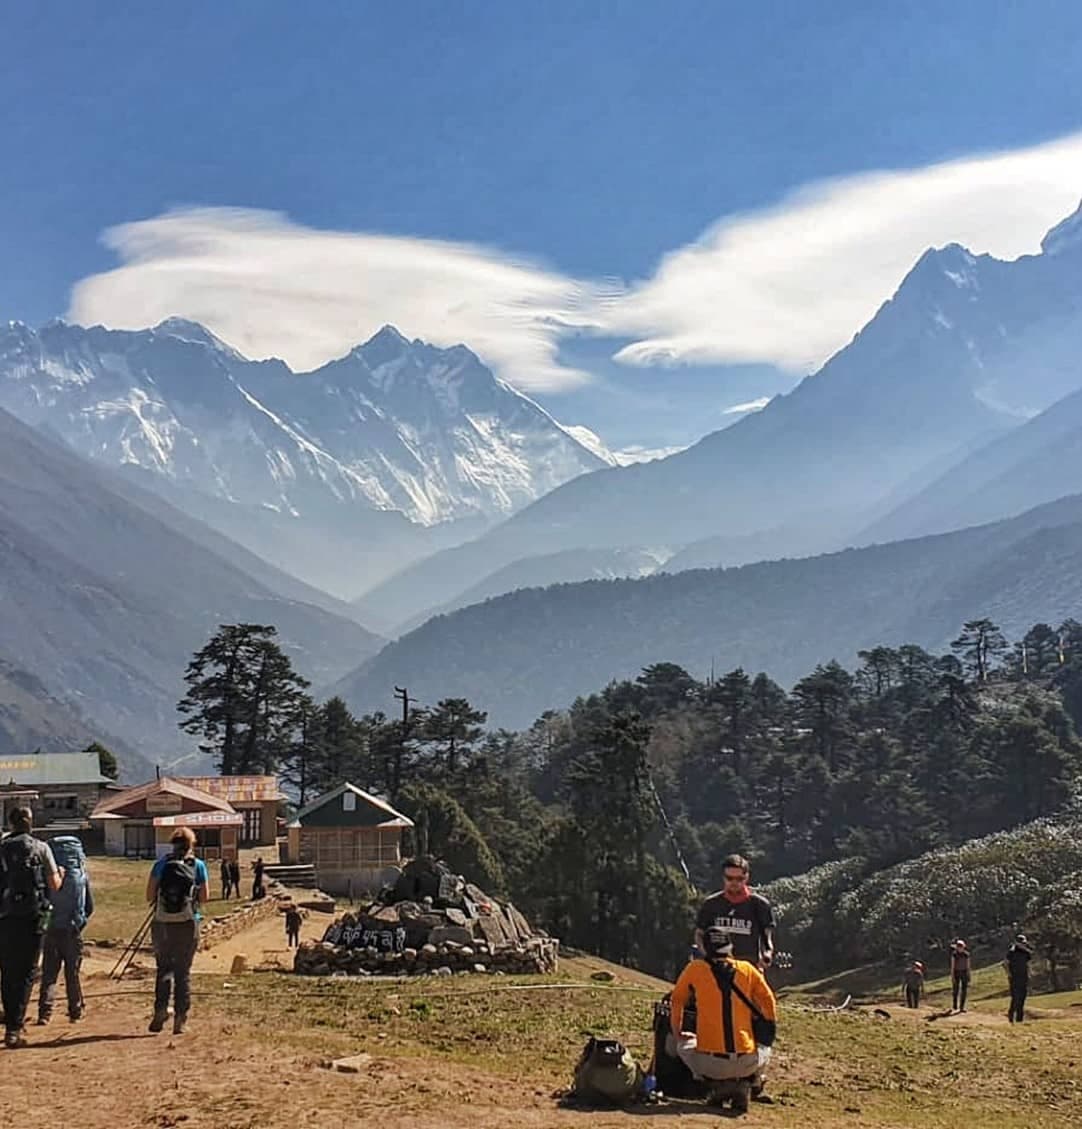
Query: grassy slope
[(830, 1070), (848, 1068)]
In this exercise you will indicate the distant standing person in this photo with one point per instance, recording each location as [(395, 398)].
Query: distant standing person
[(961, 961), (28, 872), (1017, 963), (257, 883), (913, 983), (227, 880), (747, 917), (72, 906), (293, 927), (178, 885), (234, 877)]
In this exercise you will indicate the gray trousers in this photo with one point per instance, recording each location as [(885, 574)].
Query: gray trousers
[(716, 1068), (63, 948), (175, 946)]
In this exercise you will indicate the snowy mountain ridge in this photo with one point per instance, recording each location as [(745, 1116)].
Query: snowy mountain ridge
[(394, 425)]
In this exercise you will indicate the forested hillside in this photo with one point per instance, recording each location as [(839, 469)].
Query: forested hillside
[(537, 649), (589, 815)]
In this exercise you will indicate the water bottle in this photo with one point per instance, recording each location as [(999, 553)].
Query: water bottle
[(649, 1085)]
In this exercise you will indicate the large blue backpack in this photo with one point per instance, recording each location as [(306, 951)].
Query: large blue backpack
[(69, 902)]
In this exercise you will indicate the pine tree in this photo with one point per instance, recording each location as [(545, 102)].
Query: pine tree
[(107, 762), (454, 727), (244, 699), (979, 645)]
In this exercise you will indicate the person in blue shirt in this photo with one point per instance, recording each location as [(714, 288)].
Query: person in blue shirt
[(178, 885)]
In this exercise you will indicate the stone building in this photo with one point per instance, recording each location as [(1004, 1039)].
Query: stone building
[(69, 786)]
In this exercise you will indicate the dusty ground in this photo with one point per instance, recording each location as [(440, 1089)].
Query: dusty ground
[(482, 1052)]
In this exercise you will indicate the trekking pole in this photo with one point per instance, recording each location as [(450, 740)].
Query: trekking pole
[(133, 951), (132, 947)]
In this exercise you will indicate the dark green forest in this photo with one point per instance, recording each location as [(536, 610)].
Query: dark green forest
[(589, 817)]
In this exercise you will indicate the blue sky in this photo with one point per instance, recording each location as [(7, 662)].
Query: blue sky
[(590, 140)]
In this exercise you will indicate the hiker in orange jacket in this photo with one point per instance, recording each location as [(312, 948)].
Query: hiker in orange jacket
[(728, 992)]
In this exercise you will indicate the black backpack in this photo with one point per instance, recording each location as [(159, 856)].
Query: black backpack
[(23, 893), (673, 1078), (176, 890)]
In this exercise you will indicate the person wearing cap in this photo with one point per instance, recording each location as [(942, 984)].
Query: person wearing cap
[(728, 992), (960, 969), (1017, 965), (913, 983)]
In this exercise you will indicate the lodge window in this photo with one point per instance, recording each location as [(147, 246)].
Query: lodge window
[(139, 842), (253, 825), (209, 845)]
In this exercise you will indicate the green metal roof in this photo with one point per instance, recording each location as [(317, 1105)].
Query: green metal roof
[(38, 770)]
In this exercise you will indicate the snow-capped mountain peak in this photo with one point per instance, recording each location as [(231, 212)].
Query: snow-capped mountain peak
[(393, 425)]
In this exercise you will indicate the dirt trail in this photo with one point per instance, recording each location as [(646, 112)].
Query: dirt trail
[(222, 1074)]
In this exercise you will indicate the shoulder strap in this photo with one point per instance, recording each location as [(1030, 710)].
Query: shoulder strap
[(732, 986)]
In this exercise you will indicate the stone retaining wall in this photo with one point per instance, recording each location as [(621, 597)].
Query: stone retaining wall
[(218, 929), (535, 956)]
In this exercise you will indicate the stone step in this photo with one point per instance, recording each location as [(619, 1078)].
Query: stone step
[(292, 875)]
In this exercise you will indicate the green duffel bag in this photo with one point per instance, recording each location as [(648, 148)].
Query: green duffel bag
[(607, 1074)]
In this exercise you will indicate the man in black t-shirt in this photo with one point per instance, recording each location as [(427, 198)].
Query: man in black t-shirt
[(1017, 962), (748, 918)]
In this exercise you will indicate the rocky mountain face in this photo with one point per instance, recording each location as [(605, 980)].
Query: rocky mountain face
[(369, 452), (1034, 463), (967, 349)]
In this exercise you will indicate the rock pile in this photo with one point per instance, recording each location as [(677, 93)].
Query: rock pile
[(431, 922)]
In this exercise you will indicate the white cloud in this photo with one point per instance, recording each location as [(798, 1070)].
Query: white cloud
[(634, 454), (270, 287), (749, 406), (793, 283), (787, 285)]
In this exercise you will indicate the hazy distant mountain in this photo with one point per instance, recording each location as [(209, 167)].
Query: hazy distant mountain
[(538, 649), (332, 474), (103, 598), (1030, 465), (967, 349), (398, 595), (31, 718)]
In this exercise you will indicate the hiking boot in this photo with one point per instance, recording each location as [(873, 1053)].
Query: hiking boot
[(14, 1039), (742, 1097), (44, 1018), (158, 1022), (180, 1022), (77, 1014)]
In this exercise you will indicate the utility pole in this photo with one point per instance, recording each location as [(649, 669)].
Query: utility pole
[(402, 694)]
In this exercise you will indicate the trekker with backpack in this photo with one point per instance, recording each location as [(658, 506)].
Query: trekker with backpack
[(28, 872), (72, 906), (736, 1016), (178, 885), (747, 917), (227, 880)]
